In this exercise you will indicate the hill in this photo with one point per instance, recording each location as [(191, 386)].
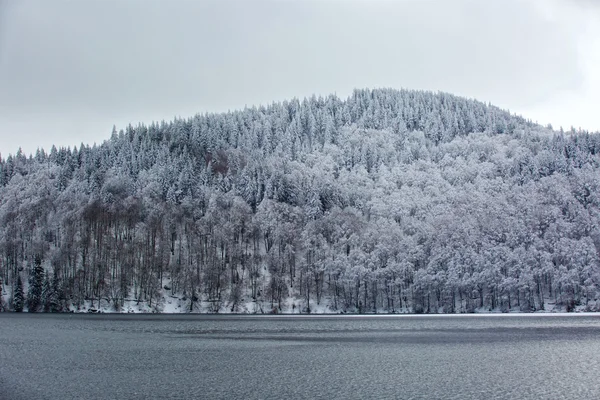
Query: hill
[(388, 201)]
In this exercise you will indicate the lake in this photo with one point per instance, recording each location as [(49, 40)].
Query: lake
[(73, 356)]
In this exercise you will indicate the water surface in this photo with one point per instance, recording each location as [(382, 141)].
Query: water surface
[(74, 356)]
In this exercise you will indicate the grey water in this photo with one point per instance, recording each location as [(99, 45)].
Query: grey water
[(72, 356)]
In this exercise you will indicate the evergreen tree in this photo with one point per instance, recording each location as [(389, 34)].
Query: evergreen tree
[(46, 294), (1, 297), (19, 296), (54, 296), (36, 285)]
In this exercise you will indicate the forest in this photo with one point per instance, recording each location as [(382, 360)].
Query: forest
[(389, 201)]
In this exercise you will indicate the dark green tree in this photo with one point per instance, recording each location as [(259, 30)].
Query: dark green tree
[(1, 297), (19, 296), (46, 293), (36, 286), (54, 297)]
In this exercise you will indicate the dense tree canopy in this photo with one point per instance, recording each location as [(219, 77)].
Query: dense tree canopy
[(389, 201)]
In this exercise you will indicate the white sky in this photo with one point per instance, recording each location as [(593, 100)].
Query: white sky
[(69, 70)]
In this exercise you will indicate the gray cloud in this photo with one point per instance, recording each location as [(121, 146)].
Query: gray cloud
[(69, 70)]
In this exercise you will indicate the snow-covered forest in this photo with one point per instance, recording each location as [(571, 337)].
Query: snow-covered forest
[(389, 201)]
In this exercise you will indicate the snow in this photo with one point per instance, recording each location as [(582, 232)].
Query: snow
[(169, 304)]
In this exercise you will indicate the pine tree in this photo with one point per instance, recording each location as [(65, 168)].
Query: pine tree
[(54, 295), (1, 297), (36, 284), (18, 297), (46, 294)]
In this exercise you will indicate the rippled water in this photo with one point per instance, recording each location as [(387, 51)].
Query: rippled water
[(330, 357)]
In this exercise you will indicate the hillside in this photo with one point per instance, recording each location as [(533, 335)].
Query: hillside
[(388, 201)]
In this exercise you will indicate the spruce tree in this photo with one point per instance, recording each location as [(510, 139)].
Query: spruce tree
[(46, 293), (55, 296), (36, 284), (18, 297), (1, 297)]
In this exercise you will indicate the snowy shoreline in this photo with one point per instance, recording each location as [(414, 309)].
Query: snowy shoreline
[(180, 306)]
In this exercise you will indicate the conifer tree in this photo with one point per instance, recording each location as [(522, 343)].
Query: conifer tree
[(1, 297), (54, 295), (46, 293), (36, 284), (18, 297)]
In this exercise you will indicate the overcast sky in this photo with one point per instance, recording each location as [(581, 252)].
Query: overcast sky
[(70, 70)]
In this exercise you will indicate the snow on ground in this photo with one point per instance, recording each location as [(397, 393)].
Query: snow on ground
[(170, 304)]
